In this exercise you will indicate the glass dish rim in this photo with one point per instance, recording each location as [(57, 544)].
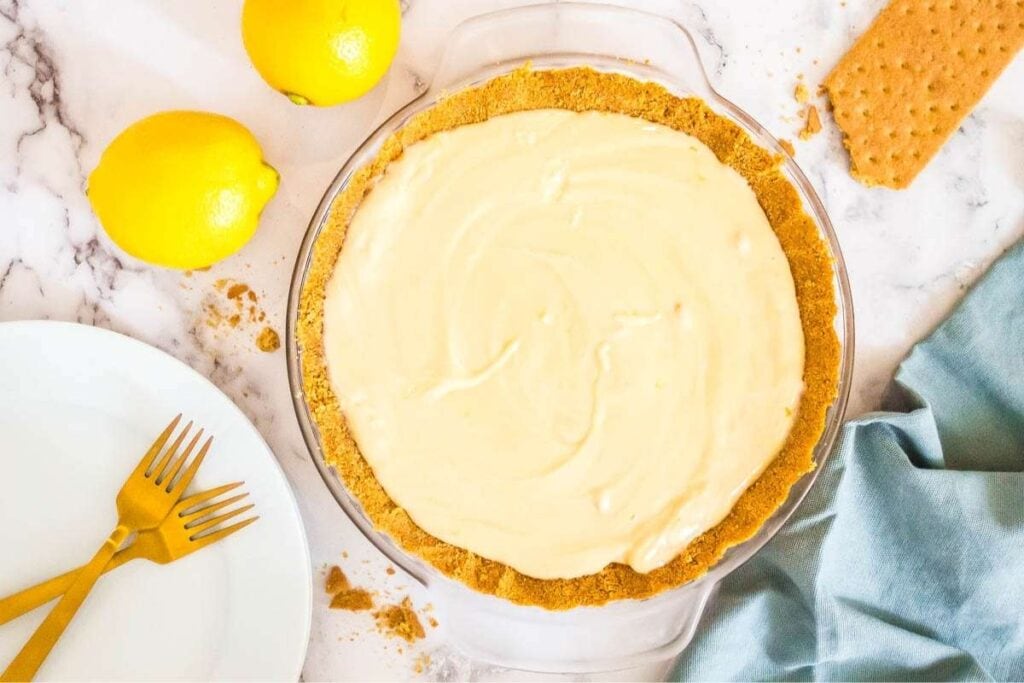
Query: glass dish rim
[(736, 555)]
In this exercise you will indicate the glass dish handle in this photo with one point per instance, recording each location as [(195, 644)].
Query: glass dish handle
[(567, 34)]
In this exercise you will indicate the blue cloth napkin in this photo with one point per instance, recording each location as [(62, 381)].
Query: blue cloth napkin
[(906, 560)]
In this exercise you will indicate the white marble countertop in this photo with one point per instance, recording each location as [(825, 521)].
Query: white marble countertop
[(76, 72)]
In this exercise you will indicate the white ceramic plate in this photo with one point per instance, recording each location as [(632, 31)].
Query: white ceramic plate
[(78, 408)]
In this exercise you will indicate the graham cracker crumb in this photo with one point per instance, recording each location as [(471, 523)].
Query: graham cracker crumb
[(800, 93), (584, 89), (353, 600), (421, 663), (268, 340), (344, 595), (813, 124), (390, 571), (788, 146), (238, 305), (911, 78), (400, 621), (432, 621), (336, 580)]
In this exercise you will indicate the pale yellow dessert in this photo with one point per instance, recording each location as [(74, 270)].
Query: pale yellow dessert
[(573, 322), (564, 339)]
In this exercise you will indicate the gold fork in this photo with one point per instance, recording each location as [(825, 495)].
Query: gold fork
[(145, 499), (179, 534)]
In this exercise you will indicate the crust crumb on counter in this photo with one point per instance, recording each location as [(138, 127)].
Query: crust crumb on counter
[(353, 600), (813, 123), (344, 596), (336, 580), (400, 621), (268, 340), (800, 93), (421, 663)]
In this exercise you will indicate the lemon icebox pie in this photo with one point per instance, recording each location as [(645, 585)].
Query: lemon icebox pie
[(569, 337)]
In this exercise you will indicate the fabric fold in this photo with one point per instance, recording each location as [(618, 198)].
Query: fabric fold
[(906, 560)]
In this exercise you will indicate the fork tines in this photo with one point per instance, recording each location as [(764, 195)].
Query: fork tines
[(201, 517)]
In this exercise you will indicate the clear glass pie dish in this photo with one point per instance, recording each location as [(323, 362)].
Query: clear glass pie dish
[(624, 633)]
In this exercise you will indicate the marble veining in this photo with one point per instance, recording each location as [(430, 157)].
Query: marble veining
[(76, 72)]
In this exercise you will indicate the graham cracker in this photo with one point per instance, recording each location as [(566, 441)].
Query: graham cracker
[(918, 70)]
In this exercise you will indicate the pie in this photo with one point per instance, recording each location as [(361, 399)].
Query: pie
[(569, 337)]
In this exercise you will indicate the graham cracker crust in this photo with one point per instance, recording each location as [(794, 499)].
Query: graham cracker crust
[(584, 89)]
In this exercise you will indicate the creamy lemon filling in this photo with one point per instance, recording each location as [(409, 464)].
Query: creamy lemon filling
[(564, 339)]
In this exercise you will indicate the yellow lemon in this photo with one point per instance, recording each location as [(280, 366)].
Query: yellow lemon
[(182, 189), (321, 52)]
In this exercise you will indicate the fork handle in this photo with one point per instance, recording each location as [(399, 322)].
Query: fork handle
[(24, 601), (35, 651)]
